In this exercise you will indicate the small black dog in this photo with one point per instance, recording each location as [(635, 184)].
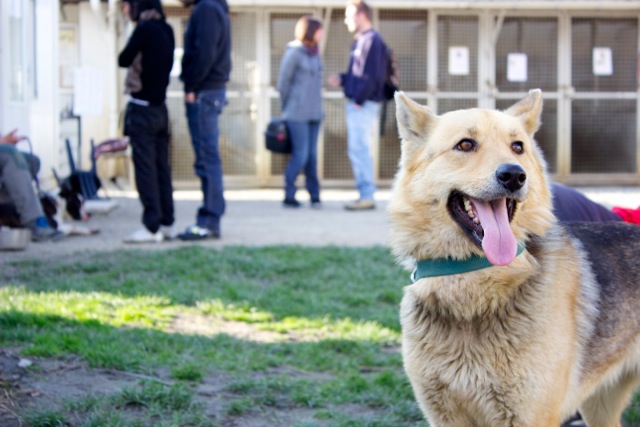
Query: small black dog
[(73, 207)]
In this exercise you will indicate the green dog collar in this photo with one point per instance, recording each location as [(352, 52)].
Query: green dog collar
[(447, 266)]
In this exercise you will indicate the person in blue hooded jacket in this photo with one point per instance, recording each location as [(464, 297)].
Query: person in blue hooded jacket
[(206, 66), (300, 87)]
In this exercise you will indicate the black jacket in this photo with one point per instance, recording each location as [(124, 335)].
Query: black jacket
[(154, 39), (571, 205), (206, 63)]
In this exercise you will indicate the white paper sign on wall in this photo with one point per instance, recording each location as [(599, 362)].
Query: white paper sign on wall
[(602, 61), (459, 60), (517, 67)]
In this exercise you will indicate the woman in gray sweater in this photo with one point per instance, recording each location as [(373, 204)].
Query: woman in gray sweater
[(300, 87)]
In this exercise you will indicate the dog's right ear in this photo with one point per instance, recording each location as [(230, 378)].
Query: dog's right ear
[(415, 121), (529, 110)]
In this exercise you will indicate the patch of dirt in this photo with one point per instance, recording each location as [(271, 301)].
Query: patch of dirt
[(44, 383), (49, 383), (197, 324)]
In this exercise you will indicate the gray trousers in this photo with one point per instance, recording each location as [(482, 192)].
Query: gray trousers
[(16, 186)]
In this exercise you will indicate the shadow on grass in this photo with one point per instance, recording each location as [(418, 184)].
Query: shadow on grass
[(114, 311), (252, 377)]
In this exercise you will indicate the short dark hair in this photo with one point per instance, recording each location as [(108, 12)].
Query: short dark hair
[(136, 7), (362, 7), (306, 28)]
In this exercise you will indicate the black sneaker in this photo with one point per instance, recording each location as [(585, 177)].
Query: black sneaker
[(195, 232), (291, 203), (316, 204)]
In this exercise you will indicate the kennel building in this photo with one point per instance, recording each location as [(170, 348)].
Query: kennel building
[(451, 55)]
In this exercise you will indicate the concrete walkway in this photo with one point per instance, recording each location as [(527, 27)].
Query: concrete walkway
[(256, 218), (252, 218)]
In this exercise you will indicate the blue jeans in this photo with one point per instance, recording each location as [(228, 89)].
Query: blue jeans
[(362, 126), (304, 156), (202, 116)]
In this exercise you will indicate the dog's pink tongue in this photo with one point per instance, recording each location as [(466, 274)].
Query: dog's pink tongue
[(499, 243)]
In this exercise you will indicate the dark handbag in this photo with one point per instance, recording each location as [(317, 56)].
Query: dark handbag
[(277, 137)]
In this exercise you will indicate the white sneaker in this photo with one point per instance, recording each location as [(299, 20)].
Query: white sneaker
[(360, 205), (145, 236), (168, 232)]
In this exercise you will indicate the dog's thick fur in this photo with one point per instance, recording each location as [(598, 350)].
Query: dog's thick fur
[(534, 337)]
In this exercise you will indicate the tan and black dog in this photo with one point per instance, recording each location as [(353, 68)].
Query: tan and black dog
[(512, 319)]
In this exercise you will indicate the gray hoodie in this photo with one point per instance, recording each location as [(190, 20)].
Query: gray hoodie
[(300, 84)]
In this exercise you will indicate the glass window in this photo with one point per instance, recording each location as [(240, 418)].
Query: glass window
[(237, 122), (17, 72), (603, 136), (537, 38), (405, 32), (617, 40), (457, 53)]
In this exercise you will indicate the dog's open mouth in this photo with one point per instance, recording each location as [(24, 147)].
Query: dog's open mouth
[(487, 223)]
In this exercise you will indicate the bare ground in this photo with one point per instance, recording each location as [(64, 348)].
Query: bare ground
[(28, 383)]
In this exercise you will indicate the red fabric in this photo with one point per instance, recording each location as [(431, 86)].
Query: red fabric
[(628, 215)]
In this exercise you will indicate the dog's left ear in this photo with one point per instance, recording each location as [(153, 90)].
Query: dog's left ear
[(528, 110)]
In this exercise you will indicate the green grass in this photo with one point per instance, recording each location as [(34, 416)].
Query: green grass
[(326, 318)]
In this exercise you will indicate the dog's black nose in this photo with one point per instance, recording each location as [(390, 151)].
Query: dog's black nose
[(511, 177)]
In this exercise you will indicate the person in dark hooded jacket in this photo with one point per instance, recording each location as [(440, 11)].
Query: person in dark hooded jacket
[(149, 58), (206, 65)]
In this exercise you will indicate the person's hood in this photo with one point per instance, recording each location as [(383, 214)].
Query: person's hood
[(222, 3)]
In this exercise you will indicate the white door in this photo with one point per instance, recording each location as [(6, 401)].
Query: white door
[(16, 65)]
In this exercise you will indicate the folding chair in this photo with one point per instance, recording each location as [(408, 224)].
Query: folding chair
[(86, 181)]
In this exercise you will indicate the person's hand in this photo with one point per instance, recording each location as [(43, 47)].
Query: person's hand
[(190, 97), (11, 138), (334, 81)]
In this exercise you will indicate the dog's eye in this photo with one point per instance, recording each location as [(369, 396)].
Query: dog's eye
[(466, 145), (517, 147)]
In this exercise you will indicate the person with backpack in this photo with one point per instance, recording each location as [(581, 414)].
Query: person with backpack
[(363, 85)]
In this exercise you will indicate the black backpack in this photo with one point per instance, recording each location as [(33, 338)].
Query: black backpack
[(392, 79), (391, 85)]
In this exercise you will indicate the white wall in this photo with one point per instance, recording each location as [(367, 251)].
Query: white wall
[(44, 111), (97, 52), (36, 114)]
